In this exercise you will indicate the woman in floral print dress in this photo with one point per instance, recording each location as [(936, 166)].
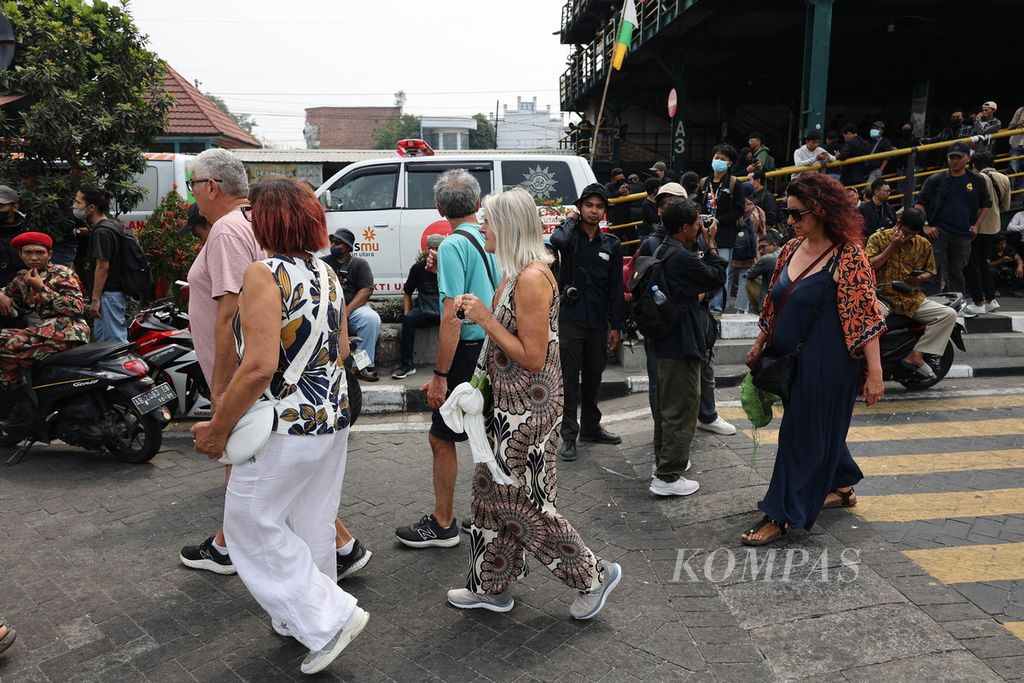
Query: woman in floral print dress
[(522, 363)]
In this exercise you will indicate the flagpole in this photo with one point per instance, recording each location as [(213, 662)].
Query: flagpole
[(600, 114)]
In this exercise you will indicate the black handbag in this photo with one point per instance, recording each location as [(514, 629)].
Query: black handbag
[(774, 372)]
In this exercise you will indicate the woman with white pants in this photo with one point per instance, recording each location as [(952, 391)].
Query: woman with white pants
[(280, 504)]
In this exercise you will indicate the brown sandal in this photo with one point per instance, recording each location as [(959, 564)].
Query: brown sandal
[(844, 499), (782, 527), (8, 638)]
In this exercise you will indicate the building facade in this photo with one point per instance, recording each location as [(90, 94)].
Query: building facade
[(344, 127), (527, 127)]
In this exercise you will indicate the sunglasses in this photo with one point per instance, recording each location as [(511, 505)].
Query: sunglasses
[(192, 182), (795, 214), (246, 212)]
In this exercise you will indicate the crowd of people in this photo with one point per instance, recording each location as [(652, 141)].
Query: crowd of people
[(271, 323)]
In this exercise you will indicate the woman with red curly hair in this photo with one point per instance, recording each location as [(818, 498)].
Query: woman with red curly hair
[(279, 510), (822, 305)]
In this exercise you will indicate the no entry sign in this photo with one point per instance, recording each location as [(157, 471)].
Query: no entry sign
[(673, 102)]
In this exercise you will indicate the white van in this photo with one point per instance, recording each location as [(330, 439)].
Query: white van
[(164, 172), (388, 203)]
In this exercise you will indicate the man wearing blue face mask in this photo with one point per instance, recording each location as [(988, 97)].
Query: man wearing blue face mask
[(879, 143), (720, 196), (357, 283)]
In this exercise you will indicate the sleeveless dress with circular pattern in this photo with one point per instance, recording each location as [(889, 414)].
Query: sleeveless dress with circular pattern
[(523, 429)]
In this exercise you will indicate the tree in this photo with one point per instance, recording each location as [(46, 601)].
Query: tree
[(245, 121), (96, 101), (485, 136), (390, 131), (170, 253)]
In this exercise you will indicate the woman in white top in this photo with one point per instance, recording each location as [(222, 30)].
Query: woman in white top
[(280, 504)]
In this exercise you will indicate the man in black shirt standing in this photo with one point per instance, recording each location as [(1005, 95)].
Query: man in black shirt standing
[(721, 197), (853, 146), (591, 315), (877, 212), (357, 283)]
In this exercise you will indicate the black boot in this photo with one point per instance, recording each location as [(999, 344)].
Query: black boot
[(21, 418), (568, 452)]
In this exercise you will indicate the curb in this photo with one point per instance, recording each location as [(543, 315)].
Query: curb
[(382, 400)]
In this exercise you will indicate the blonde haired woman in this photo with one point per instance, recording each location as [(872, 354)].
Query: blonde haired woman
[(522, 362)]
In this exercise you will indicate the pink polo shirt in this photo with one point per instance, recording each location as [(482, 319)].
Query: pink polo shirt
[(218, 270)]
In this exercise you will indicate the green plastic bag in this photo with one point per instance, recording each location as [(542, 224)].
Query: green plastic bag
[(757, 404)]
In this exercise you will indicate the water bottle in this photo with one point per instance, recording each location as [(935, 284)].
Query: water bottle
[(659, 296)]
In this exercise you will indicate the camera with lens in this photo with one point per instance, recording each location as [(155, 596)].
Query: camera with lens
[(571, 294), (707, 219)]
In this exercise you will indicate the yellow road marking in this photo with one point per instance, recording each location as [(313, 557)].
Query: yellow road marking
[(927, 463), (907, 507), (1016, 628), (972, 563), (910, 406), (907, 432)]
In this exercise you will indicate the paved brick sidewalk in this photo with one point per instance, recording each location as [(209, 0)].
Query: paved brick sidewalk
[(90, 578)]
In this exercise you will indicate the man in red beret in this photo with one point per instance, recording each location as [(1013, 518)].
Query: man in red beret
[(47, 299)]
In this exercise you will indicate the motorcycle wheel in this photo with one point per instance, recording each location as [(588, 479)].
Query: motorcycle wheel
[(945, 363), (145, 435), (355, 397)]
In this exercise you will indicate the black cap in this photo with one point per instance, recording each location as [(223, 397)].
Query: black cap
[(617, 171), (345, 235), (193, 219), (592, 189), (959, 148)]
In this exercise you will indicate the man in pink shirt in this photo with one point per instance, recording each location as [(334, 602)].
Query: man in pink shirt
[(221, 188)]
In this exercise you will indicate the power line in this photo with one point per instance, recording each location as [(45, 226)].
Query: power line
[(382, 94)]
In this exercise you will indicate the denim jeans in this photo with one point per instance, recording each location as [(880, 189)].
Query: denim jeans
[(734, 276), (364, 322), (952, 251), (110, 326), (718, 299), (413, 320)]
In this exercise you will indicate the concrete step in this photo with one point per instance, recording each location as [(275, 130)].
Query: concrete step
[(991, 345)]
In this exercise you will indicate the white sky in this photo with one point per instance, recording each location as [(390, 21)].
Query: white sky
[(274, 59)]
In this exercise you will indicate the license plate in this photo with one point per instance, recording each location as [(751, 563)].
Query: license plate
[(154, 398)]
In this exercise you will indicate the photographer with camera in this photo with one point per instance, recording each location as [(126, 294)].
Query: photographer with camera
[(591, 315)]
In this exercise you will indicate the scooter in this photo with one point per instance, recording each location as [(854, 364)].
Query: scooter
[(162, 338), (94, 396), (904, 333)]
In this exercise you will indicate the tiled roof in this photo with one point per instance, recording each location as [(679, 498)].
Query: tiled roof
[(193, 114)]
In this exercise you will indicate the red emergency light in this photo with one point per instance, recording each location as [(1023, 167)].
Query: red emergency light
[(414, 147)]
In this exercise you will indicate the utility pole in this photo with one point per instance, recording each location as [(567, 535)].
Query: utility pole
[(496, 105)]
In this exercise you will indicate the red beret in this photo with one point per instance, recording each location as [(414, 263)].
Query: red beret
[(40, 238)]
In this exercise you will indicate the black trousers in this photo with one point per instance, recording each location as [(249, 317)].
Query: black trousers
[(584, 354), (980, 282)]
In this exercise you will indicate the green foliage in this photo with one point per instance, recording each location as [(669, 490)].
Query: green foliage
[(97, 101), (390, 131), (390, 310), (484, 137), (245, 121), (170, 253)]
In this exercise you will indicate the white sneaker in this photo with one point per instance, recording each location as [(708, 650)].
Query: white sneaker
[(322, 658), (463, 598), (654, 467), (719, 426), (281, 628), (992, 306), (680, 487), (586, 605), (970, 310)]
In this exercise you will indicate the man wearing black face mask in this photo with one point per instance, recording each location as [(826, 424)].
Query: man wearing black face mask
[(357, 283), (12, 224), (957, 128)]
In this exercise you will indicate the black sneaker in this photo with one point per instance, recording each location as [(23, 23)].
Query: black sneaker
[(427, 533), (403, 371), (467, 524), (354, 561), (205, 556)]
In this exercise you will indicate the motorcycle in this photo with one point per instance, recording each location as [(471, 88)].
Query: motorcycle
[(903, 334), (94, 396), (163, 339)]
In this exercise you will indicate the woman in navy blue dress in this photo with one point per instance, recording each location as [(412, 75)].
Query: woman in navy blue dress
[(823, 268)]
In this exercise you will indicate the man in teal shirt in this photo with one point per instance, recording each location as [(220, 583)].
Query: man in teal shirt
[(463, 267)]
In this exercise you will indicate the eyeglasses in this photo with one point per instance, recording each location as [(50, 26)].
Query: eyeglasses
[(192, 182), (246, 212), (795, 214)]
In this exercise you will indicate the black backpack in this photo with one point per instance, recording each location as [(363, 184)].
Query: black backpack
[(652, 320), (133, 269)]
